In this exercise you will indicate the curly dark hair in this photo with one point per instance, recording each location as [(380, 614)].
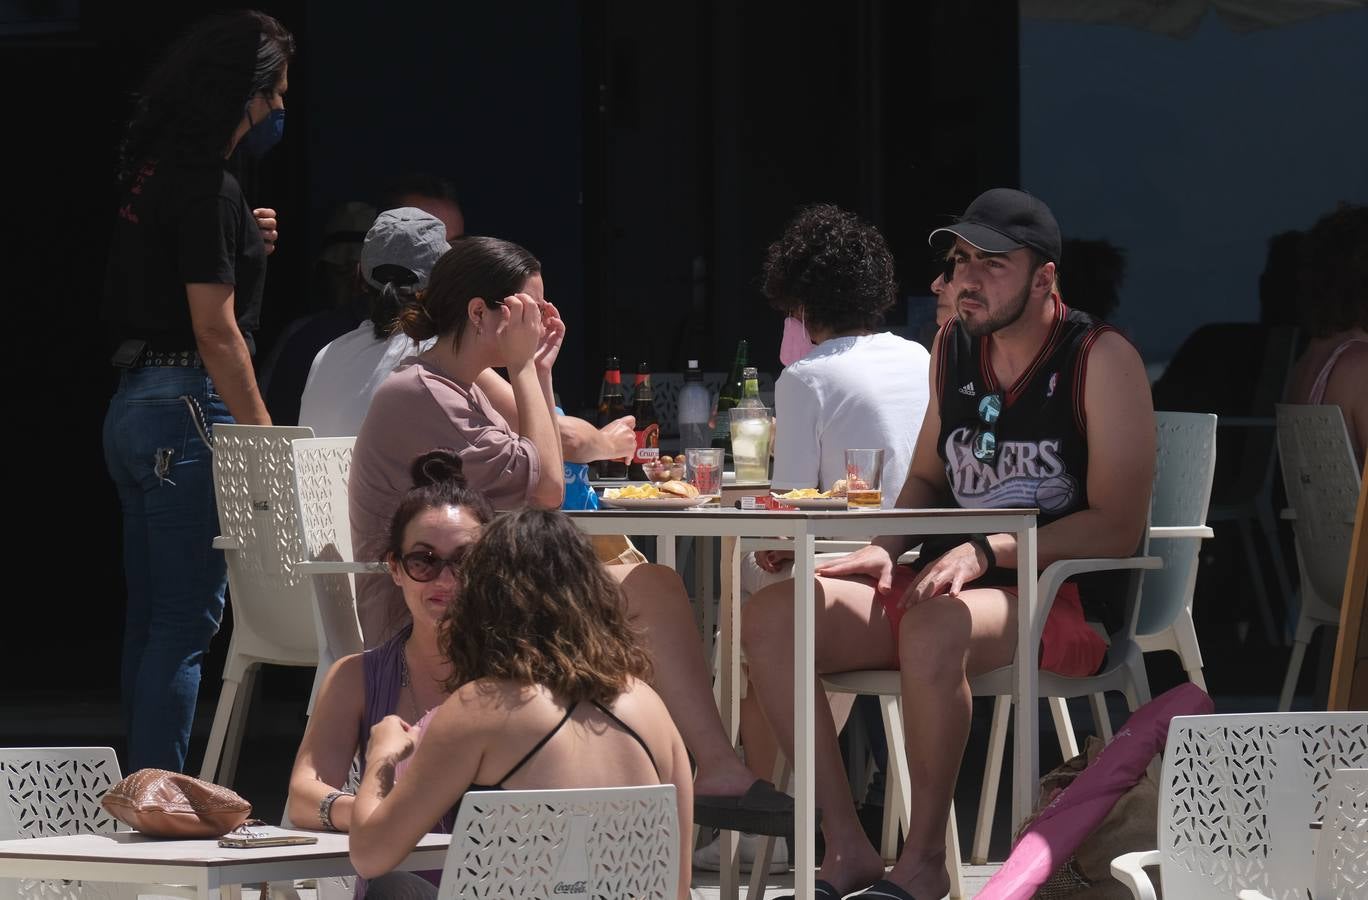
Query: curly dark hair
[(537, 608), (1332, 291), (833, 268), (191, 102), (438, 481), (483, 267)]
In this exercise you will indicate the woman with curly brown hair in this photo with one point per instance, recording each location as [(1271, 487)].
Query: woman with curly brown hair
[(548, 683)]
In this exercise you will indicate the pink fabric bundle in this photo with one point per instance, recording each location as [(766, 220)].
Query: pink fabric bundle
[(1079, 808)]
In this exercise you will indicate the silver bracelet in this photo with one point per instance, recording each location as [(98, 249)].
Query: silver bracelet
[(325, 809)]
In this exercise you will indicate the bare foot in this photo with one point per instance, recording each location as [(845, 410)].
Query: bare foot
[(851, 868), (723, 780), (922, 875)]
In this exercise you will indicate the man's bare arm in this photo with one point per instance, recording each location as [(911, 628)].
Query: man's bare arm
[(1121, 455)]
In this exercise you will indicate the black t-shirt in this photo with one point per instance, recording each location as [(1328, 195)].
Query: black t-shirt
[(177, 225), (1042, 436)]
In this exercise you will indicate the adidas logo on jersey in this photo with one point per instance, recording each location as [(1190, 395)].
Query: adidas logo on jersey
[(968, 390)]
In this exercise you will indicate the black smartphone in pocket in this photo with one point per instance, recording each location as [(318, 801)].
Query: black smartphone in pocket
[(128, 353)]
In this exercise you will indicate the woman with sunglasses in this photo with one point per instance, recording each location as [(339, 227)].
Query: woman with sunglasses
[(485, 305), (548, 690), (437, 522)]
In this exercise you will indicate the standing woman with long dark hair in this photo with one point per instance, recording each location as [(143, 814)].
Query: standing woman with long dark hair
[(182, 300)]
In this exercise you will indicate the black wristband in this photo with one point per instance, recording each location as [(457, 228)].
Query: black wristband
[(981, 541)]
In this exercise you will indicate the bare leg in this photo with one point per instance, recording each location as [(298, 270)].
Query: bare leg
[(852, 633), (757, 737), (940, 643), (659, 606)]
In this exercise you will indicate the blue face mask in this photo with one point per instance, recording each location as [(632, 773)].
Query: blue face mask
[(263, 135)]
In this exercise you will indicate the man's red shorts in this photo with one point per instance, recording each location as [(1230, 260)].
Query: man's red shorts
[(1069, 646)]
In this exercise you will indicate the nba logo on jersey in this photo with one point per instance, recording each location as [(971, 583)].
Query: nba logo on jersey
[(1054, 380)]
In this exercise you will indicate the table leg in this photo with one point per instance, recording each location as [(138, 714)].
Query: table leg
[(1026, 754), (704, 554), (804, 700), (665, 550), (730, 680)]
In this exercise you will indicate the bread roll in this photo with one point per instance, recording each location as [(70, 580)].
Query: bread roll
[(678, 489)]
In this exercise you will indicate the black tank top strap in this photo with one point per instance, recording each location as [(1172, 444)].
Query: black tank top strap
[(540, 744), (632, 731)]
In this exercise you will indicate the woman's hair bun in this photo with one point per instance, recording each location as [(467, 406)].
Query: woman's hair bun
[(437, 466)]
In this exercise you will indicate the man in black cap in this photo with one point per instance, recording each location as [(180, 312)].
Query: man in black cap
[(1034, 405)]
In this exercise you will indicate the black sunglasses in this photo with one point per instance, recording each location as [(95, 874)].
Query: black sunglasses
[(985, 441), (424, 565)]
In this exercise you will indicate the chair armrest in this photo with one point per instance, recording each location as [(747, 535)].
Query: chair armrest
[(1250, 894), (1053, 575), (222, 542), (324, 567), (1129, 869), (1180, 531)]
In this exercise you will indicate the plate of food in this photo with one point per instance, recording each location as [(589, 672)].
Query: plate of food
[(811, 498), (664, 495)]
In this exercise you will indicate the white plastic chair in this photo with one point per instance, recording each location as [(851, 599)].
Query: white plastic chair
[(1184, 463), (1322, 485), (1236, 799), (1177, 528), (1342, 847), (55, 791), (321, 466), (1184, 466), (596, 842), (272, 599)]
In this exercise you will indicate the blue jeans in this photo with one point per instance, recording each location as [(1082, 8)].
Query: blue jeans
[(164, 475)]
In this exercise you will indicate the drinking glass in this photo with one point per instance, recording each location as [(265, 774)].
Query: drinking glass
[(864, 476), (750, 433), (704, 469)]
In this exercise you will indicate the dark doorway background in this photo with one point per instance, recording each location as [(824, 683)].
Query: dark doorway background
[(647, 154)]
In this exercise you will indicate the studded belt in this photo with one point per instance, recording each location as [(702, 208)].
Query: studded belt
[(178, 358)]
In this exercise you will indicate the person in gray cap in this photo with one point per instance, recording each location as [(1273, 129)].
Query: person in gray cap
[(1032, 405), (396, 259)]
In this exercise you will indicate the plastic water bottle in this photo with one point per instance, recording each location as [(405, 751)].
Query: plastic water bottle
[(695, 405)]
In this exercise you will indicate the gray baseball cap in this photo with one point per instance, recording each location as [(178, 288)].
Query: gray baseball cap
[(405, 237)]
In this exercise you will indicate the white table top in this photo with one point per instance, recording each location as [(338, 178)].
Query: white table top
[(136, 858)]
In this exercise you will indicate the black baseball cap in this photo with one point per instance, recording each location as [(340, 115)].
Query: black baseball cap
[(1002, 220)]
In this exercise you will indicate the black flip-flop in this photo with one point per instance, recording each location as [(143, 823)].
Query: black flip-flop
[(886, 889), (821, 890), (762, 809)]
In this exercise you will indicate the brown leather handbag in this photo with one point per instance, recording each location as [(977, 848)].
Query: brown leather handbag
[(168, 804)]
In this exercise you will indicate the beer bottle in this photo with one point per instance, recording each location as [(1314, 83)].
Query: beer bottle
[(750, 388), (611, 407), (727, 398), (647, 425)]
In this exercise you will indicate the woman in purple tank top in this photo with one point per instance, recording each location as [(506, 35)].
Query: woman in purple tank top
[(436, 523)]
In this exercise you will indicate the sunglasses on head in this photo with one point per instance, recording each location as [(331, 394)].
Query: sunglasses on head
[(985, 440), (424, 565)]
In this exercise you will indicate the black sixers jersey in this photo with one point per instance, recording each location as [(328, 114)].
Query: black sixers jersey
[(1039, 446)]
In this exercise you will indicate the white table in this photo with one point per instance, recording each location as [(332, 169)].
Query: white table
[(800, 528), (128, 857)]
